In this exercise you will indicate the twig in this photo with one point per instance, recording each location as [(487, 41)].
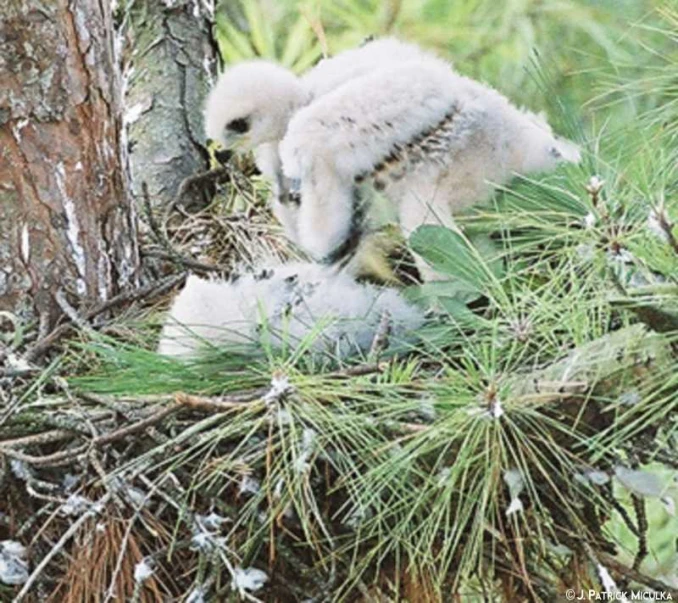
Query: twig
[(63, 427), (34, 484), (381, 337), (356, 371), (593, 188), (667, 457), (201, 178), (71, 312), (315, 23), (658, 319), (623, 513), (393, 10), (149, 291), (183, 261), (107, 438), (160, 235), (407, 427), (217, 404), (641, 522), (75, 526), (49, 460), (545, 397), (21, 372), (47, 437), (637, 576), (671, 238), (666, 226), (118, 408)]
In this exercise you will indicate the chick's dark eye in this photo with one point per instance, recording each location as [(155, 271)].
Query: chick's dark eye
[(239, 126)]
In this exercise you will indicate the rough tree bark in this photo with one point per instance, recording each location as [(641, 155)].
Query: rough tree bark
[(66, 220), (170, 62)]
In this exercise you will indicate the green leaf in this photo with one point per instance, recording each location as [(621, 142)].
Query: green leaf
[(451, 254), (641, 482), (488, 252), (450, 289), (460, 313)]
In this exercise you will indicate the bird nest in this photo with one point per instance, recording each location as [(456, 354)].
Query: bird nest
[(277, 483), (264, 476), (234, 231)]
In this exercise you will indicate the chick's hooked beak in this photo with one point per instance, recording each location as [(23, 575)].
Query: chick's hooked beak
[(218, 154)]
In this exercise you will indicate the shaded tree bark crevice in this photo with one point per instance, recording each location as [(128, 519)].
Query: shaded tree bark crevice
[(171, 56)]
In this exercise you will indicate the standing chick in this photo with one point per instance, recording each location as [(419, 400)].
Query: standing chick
[(387, 116), (435, 142), (253, 102)]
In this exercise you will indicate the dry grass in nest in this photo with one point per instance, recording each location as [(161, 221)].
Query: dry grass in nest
[(215, 236), (102, 561)]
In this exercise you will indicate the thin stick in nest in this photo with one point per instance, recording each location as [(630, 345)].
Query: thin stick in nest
[(67, 535), (220, 404), (63, 456), (148, 292), (161, 238), (381, 337)]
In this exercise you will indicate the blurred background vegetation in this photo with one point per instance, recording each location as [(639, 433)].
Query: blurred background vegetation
[(588, 44)]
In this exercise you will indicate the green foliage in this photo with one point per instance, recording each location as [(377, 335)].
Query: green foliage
[(246, 29), (450, 254), (116, 369), (534, 392), (553, 274), (493, 41)]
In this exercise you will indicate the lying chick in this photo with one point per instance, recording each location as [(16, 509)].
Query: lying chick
[(286, 303)]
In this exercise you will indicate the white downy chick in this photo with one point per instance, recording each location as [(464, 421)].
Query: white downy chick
[(286, 303), (252, 103), (388, 116), (433, 141)]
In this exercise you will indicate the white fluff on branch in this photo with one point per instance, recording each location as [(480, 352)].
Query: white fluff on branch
[(287, 304), (13, 563)]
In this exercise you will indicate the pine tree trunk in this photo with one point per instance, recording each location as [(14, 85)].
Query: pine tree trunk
[(170, 61), (66, 220)]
